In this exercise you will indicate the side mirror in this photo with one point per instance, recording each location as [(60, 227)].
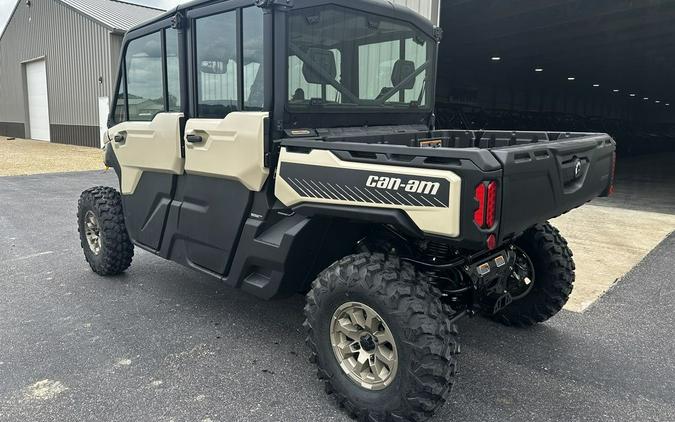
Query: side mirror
[(402, 70), (321, 59)]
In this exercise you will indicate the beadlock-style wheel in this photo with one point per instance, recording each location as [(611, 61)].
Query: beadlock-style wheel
[(92, 232), (364, 346), (103, 235), (381, 338)]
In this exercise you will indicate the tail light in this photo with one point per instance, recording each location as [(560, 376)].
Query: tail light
[(486, 196), (479, 215), (491, 204)]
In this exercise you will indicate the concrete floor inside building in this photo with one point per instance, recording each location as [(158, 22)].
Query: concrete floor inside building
[(611, 235)]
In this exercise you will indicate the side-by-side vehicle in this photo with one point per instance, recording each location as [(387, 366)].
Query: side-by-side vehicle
[(289, 146)]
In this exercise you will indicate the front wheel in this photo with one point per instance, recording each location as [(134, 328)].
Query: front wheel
[(103, 234), (381, 338), (542, 280)]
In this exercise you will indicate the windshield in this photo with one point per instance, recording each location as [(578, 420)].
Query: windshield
[(342, 58)]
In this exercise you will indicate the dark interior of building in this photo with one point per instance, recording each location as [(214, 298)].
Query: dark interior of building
[(561, 65)]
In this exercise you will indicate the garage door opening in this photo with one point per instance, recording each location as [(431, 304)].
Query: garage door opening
[(38, 100)]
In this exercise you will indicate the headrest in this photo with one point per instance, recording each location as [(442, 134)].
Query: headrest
[(402, 70), (324, 60)]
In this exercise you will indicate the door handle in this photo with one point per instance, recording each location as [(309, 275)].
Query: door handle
[(194, 139), (119, 138)]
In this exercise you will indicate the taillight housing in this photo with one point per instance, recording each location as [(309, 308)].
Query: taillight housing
[(485, 215)]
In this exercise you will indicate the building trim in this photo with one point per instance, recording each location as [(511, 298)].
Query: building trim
[(84, 136), (13, 129)]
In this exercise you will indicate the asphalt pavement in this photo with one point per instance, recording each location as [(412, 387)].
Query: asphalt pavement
[(163, 343)]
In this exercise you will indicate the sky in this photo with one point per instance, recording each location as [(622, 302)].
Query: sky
[(7, 7)]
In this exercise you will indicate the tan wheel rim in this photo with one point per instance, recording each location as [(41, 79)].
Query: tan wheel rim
[(364, 346), (92, 232)]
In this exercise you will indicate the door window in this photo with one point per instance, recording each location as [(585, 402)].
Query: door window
[(172, 71), (217, 84), (145, 91), (150, 80), (120, 102), (254, 78)]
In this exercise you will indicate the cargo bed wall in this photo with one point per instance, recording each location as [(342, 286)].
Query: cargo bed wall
[(544, 180)]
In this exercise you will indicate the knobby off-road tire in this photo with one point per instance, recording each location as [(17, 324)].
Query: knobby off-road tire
[(426, 341), (103, 234), (553, 278)]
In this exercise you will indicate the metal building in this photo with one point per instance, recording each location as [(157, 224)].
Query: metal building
[(431, 9), (563, 65), (58, 62)]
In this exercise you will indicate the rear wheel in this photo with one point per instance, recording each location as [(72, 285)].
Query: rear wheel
[(103, 234), (542, 279), (381, 338)]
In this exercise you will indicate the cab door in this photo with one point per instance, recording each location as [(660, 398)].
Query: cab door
[(147, 130), (225, 134)]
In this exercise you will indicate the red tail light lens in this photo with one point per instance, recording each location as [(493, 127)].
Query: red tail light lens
[(479, 215), (491, 204), (492, 242), (486, 196)]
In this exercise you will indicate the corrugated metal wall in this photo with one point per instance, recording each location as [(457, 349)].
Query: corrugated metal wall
[(428, 8), (77, 51)]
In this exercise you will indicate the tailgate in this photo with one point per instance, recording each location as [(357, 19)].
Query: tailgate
[(546, 179)]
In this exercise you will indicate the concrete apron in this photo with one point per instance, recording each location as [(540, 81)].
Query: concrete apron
[(607, 243)]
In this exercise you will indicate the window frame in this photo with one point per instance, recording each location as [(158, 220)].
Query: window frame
[(285, 117), (160, 27), (193, 15), (355, 68)]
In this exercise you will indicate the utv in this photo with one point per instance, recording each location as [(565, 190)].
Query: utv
[(289, 147)]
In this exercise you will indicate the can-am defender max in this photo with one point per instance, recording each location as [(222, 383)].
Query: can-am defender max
[(289, 147)]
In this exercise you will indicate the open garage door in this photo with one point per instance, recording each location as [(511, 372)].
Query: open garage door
[(38, 103)]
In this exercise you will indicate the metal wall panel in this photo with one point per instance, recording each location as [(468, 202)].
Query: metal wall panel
[(427, 8), (77, 51)]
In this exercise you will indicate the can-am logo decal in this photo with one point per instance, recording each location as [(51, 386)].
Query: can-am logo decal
[(412, 186), (354, 185)]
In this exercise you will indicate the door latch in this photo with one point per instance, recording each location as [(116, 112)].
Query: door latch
[(194, 139)]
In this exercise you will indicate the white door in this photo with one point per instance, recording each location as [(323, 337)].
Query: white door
[(38, 104)]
